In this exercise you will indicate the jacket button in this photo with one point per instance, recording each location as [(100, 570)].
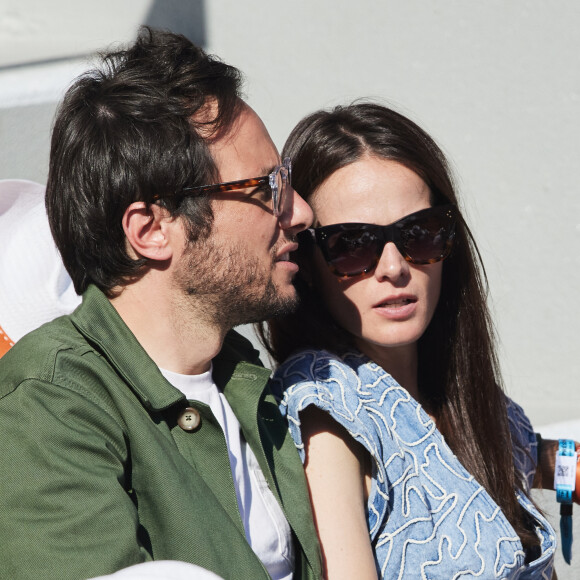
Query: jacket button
[(189, 419)]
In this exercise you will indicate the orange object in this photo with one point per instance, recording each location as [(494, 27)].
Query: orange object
[(5, 343)]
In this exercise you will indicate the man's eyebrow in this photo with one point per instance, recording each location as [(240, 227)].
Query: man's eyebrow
[(268, 170)]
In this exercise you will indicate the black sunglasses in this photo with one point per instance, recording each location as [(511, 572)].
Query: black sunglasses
[(423, 237)]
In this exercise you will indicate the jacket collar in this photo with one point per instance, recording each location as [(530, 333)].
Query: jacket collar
[(100, 323)]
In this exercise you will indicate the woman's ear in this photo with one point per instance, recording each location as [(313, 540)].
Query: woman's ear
[(148, 229)]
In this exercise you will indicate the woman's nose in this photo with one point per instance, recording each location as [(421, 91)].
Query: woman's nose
[(392, 266)]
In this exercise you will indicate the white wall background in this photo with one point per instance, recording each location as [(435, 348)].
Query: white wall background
[(496, 82)]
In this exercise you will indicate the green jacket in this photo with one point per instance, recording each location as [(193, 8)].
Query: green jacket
[(96, 475)]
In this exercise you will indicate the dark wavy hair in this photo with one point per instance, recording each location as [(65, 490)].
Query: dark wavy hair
[(134, 129), (458, 374)]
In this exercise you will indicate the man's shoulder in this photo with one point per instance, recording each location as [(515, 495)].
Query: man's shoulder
[(35, 356)]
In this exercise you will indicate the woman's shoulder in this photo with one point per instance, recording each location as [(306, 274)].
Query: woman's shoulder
[(309, 361), (314, 375), (348, 380), (324, 367), (524, 441), (323, 374), (518, 419), (324, 380)]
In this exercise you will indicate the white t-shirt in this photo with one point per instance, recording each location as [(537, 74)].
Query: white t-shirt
[(267, 529)]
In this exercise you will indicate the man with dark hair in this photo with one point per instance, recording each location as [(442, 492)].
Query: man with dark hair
[(141, 426)]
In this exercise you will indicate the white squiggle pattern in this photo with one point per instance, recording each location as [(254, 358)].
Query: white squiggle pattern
[(427, 516)]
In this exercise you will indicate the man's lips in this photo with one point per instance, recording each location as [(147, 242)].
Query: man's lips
[(284, 255)]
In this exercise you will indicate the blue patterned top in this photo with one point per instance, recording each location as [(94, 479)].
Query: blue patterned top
[(427, 516)]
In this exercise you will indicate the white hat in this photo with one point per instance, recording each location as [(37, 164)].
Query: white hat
[(34, 286), (162, 570)]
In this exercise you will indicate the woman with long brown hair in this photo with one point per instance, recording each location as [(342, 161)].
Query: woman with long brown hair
[(418, 464)]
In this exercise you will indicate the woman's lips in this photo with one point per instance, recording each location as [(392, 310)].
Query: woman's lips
[(396, 307)]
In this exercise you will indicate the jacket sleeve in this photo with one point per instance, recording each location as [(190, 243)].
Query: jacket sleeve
[(66, 509)]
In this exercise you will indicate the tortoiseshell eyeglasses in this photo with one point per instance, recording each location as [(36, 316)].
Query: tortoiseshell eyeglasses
[(275, 186)]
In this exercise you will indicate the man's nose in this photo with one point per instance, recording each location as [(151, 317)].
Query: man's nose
[(296, 214)]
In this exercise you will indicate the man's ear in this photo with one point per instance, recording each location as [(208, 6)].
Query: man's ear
[(149, 228)]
